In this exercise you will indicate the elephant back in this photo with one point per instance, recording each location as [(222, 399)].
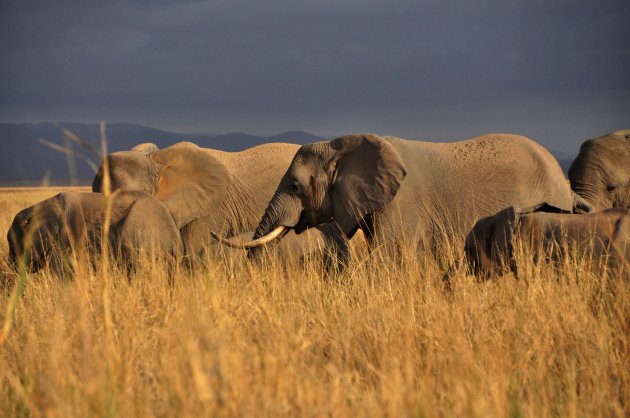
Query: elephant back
[(511, 170)]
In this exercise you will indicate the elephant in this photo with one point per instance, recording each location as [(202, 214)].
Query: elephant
[(208, 190), (601, 171), (550, 233), (401, 192), (73, 222)]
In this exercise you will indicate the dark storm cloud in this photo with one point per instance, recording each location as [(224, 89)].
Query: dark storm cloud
[(555, 70)]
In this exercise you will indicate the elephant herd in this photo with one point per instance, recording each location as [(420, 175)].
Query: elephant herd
[(481, 195)]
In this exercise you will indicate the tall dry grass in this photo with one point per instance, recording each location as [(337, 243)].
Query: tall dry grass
[(385, 339)]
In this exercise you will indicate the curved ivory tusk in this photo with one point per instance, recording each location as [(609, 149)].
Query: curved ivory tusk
[(251, 244)]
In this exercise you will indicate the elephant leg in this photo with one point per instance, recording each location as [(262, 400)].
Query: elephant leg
[(336, 250)]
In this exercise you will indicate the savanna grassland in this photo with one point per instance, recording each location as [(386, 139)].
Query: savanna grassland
[(277, 339)]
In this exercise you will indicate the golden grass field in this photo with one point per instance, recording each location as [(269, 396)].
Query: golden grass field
[(274, 340)]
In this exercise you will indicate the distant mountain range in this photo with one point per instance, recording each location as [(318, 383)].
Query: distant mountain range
[(25, 160)]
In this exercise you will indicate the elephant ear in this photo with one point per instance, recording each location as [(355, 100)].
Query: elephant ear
[(145, 148), (369, 172), (191, 182)]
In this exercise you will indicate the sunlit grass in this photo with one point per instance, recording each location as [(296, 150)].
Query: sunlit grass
[(275, 339)]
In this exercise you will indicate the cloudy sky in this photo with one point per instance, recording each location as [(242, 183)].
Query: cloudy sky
[(555, 70)]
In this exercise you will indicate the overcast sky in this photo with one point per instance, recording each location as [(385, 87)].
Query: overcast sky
[(554, 70)]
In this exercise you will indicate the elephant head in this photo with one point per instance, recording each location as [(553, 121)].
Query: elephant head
[(34, 229), (343, 180), (186, 178), (601, 171)]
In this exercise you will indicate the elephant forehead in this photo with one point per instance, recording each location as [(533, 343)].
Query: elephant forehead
[(307, 163), (127, 168), (607, 147), (128, 160), (623, 132), (317, 151), (612, 140), (303, 171)]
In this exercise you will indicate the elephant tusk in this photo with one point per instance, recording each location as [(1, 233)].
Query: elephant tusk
[(252, 244)]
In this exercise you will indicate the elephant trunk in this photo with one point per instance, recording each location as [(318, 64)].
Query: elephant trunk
[(283, 210), (588, 193), (580, 205), (586, 182), (587, 178)]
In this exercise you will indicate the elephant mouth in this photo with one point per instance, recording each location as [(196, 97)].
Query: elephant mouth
[(309, 219)]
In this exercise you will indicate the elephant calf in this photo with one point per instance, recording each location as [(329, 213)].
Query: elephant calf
[(73, 222), (550, 233)]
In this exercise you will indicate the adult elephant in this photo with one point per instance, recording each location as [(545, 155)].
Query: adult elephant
[(73, 222), (418, 193), (209, 190), (601, 171)]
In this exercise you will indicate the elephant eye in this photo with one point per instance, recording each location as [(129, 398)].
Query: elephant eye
[(611, 187), (296, 187)]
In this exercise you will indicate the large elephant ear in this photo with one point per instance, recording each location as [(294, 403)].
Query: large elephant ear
[(369, 173), (145, 148), (191, 182)]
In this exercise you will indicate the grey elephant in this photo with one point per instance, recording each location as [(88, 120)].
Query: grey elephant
[(399, 191), (209, 190), (601, 171), (72, 222), (549, 234)]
